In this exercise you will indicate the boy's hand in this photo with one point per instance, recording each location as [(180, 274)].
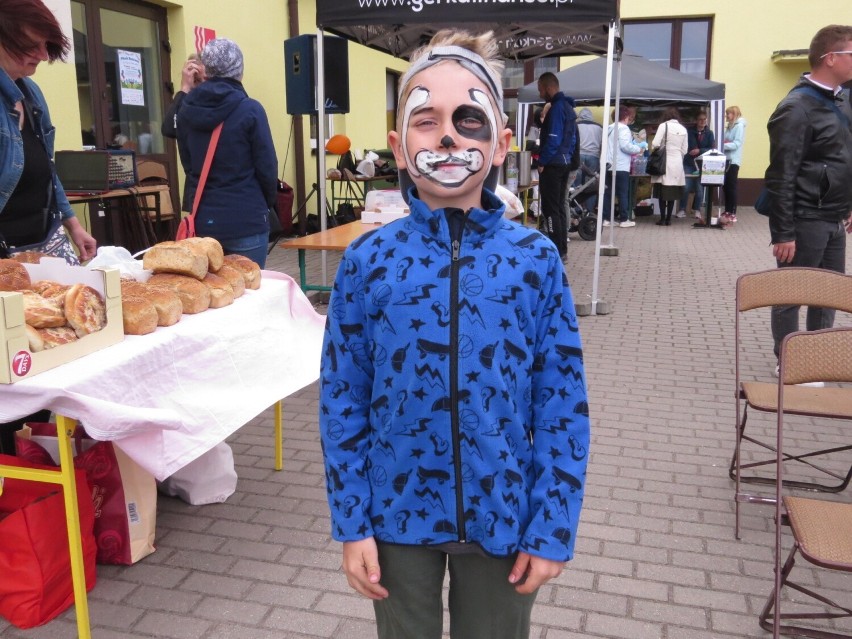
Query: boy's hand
[(361, 565), (536, 570)]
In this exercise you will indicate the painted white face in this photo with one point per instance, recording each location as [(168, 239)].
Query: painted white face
[(450, 129)]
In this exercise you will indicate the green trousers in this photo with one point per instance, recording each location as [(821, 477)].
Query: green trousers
[(482, 602)]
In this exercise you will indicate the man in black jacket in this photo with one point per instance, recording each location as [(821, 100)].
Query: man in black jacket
[(809, 179)]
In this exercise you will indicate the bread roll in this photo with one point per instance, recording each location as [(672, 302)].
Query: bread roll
[(52, 290), (52, 337), (132, 287), (28, 257), (235, 279), (177, 257), (13, 276), (221, 293), (138, 315), (36, 342), (249, 269), (84, 309), (194, 296), (40, 312), (211, 246)]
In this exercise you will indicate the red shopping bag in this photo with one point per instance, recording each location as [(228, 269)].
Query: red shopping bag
[(35, 563), (124, 494)]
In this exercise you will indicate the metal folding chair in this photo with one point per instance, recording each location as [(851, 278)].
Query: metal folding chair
[(821, 529), (780, 287)]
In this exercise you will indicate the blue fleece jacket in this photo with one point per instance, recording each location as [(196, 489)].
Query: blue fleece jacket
[(241, 185), (453, 397), (557, 131)]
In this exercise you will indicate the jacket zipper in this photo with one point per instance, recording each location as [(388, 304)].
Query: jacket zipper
[(456, 232)]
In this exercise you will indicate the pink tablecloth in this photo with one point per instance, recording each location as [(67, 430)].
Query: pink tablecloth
[(168, 397)]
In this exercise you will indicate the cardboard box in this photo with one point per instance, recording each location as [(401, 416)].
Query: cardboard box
[(384, 216), (383, 206), (16, 360)]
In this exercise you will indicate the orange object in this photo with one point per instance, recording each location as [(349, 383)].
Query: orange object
[(338, 144)]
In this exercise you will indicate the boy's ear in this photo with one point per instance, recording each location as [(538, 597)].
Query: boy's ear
[(395, 143), (504, 142)]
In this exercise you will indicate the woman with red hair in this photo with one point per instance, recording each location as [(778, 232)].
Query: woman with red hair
[(33, 207)]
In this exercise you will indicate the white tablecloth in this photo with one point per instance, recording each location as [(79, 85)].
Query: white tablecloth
[(168, 397)]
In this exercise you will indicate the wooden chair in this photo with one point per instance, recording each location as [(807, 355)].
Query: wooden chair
[(821, 529), (777, 287)]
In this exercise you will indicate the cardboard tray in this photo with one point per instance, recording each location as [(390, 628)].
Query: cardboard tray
[(16, 360)]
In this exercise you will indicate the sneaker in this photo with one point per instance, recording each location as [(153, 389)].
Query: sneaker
[(732, 218), (606, 222), (680, 214), (627, 224)]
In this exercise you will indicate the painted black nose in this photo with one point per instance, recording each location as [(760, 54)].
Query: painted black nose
[(447, 142)]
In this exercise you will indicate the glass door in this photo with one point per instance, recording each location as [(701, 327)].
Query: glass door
[(122, 61)]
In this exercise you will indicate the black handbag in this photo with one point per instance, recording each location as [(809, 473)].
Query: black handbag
[(656, 164)]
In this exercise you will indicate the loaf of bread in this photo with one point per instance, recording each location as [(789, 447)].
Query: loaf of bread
[(139, 315), (249, 269), (84, 309), (211, 246), (165, 301), (182, 258), (221, 293), (235, 279), (41, 312), (13, 276), (194, 295)]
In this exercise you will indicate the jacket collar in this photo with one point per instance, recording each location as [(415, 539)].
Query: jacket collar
[(479, 222)]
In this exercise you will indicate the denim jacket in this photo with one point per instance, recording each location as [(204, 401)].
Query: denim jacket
[(12, 144)]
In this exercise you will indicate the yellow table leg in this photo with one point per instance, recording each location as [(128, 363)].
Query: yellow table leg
[(279, 436), (64, 430)]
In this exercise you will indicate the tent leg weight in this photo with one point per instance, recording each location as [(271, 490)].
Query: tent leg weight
[(583, 309), (609, 251)]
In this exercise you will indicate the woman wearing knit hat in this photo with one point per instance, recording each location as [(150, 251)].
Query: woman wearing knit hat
[(241, 186)]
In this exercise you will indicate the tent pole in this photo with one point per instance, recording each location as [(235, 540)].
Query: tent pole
[(610, 249), (604, 308), (321, 212)]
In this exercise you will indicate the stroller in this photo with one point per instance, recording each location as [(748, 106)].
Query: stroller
[(580, 219)]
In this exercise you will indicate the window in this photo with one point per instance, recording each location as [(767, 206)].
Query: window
[(517, 74), (682, 44)]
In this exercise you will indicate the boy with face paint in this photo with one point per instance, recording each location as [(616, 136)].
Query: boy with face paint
[(453, 406)]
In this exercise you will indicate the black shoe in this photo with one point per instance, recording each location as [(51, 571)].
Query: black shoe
[(661, 223), (668, 222)]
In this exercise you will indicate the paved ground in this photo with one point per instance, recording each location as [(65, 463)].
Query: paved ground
[(656, 555)]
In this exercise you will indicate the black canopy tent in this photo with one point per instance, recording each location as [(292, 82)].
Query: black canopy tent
[(524, 29), (643, 82)]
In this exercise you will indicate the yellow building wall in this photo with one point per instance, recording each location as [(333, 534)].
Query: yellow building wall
[(745, 34)]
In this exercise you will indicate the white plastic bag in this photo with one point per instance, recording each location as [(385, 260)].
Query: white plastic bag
[(120, 258), (210, 479)]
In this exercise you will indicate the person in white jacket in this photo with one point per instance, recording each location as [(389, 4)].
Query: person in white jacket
[(669, 187), (622, 150)]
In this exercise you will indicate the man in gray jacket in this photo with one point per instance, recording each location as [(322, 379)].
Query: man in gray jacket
[(809, 179)]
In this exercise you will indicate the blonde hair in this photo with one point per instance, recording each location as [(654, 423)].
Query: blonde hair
[(737, 114)]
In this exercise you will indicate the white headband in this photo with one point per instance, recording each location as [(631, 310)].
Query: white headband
[(471, 61)]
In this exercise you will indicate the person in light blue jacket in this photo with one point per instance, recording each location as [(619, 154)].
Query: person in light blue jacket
[(734, 139)]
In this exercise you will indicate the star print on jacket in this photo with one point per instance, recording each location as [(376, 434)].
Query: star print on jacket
[(453, 399)]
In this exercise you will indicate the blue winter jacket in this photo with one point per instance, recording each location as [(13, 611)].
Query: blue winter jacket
[(453, 398), (241, 186), (557, 131), (12, 144)]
